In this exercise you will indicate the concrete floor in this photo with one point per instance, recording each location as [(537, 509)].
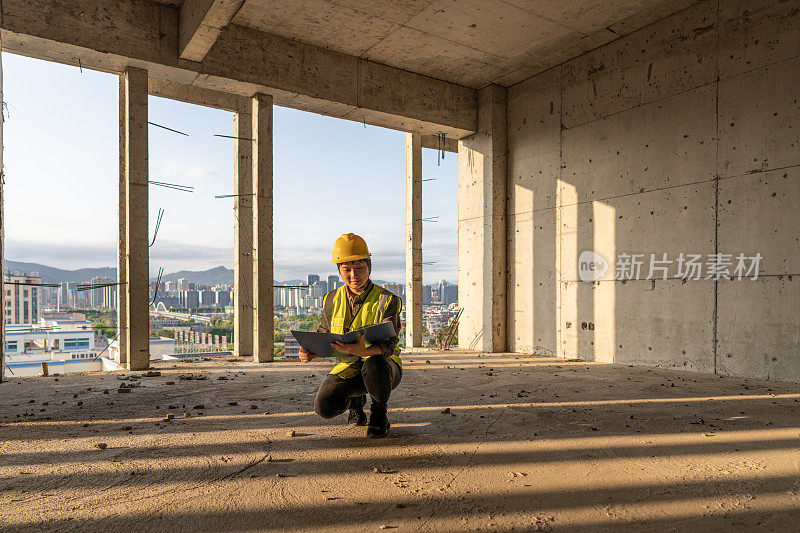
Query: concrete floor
[(528, 444)]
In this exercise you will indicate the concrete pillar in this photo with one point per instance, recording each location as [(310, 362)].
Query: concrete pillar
[(482, 162), (413, 240), (137, 260), (122, 233), (2, 237), (243, 234), (263, 319)]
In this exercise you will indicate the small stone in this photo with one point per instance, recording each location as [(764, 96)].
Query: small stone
[(400, 506), (199, 406), (292, 433), (269, 458), (172, 407), (253, 407), (106, 391), (125, 428), (187, 415), (169, 416), (151, 374), (233, 403), (123, 390), (74, 396), (222, 378), (280, 475), (170, 383), (101, 445), (445, 410)]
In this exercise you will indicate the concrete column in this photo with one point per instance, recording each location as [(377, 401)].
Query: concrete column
[(2, 237), (243, 234), (137, 260), (263, 319), (122, 233), (482, 162), (413, 240)]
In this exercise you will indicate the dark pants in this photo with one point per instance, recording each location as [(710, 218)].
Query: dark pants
[(379, 376)]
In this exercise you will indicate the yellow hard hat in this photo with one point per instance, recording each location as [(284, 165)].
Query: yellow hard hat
[(350, 247)]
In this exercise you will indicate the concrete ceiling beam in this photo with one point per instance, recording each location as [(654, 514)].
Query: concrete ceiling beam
[(201, 22), (112, 35)]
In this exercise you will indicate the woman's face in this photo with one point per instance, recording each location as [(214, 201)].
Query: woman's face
[(354, 274)]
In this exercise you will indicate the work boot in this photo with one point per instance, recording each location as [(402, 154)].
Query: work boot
[(357, 415), (378, 421)]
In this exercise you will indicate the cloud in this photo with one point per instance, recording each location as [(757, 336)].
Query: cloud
[(60, 255)]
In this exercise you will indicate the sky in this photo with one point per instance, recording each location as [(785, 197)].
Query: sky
[(331, 176)]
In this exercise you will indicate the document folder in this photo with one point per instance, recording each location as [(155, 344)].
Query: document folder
[(320, 343)]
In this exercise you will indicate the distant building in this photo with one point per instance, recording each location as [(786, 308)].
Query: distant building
[(109, 300), (448, 293), (51, 339), (426, 294), (395, 288), (183, 284), (222, 298), (334, 282), (206, 298), (317, 289), (100, 298), (21, 301), (291, 348), (312, 279), (169, 301), (190, 299), (66, 295), (170, 286)]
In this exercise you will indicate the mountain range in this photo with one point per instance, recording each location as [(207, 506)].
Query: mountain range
[(49, 274), (213, 276)]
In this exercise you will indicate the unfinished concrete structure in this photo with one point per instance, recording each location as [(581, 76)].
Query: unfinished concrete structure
[(618, 128)]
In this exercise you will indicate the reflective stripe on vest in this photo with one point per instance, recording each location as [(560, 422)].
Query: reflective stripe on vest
[(372, 311)]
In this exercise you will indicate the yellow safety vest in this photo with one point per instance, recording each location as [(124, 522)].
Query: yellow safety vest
[(372, 311)]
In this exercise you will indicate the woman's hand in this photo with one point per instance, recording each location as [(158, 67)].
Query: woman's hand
[(359, 349), (306, 356)]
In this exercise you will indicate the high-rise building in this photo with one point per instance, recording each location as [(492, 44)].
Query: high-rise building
[(170, 286), (448, 293), (190, 299), (21, 301), (96, 295), (109, 300), (395, 288), (426, 294), (183, 284), (312, 279), (317, 289), (206, 298), (333, 282), (66, 295), (222, 298)]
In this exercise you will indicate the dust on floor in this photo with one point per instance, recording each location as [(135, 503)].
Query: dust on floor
[(481, 442)]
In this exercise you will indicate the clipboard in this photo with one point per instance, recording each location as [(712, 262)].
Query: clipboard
[(320, 343)]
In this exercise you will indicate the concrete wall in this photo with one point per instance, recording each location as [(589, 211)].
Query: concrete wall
[(681, 137)]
